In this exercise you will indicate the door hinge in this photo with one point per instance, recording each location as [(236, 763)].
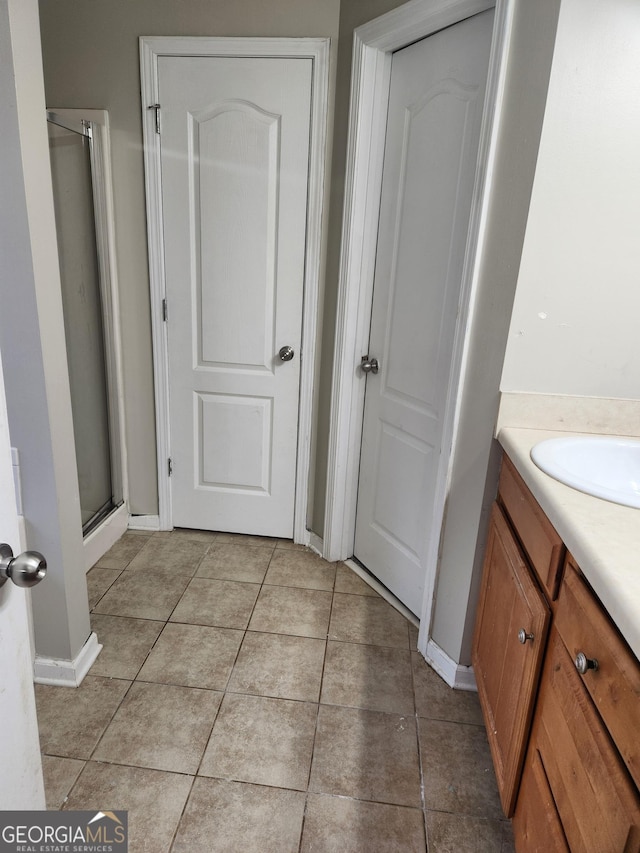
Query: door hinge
[(156, 107), (169, 466), (164, 310)]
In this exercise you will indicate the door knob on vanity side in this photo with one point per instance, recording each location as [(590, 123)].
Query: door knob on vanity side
[(286, 353), (369, 365), (25, 570)]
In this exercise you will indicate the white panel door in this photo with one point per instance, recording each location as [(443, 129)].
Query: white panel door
[(22, 785), (235, 160), (433, 129)]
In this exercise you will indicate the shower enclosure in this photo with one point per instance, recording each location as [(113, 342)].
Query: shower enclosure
[(86, 307)]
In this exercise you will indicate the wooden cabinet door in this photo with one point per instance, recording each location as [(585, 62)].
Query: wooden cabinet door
[(536, 823), (507, 670), (596, 800)]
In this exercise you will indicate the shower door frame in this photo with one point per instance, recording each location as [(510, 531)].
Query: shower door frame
[(96, 122)]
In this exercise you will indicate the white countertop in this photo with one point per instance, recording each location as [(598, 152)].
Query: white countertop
[(603, 537)]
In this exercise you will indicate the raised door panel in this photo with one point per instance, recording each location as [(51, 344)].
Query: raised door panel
[(596, 800), (234, 174), (507, 670)]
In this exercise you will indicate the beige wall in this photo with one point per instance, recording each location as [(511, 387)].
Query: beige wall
[(575, 321), (91, 60)]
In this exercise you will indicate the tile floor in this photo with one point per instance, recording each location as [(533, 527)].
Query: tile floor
[(252, 697)]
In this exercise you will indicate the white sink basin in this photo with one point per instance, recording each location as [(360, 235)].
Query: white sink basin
[(602, 466)]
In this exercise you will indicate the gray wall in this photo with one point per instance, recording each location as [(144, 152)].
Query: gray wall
[(32, 340), (91, 60)]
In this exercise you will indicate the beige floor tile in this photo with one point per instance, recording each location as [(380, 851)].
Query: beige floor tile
[(233, 817), (246, 563), (367, 755), (177, 555), (262, 740), (300, 569), (72, 720), (290, 545), (285, 610), (220, 604), (161, 727), (193, 656), (125, 642), (143, 595), (413, 637), (281, 666), (98, 582), (435, 700), (362, 619), (337, 825), (206, 536), (349, 582), (457, 767), (122, 552), (154, 800), (59, 776), (245, 539), (455, 833), (373, 677)]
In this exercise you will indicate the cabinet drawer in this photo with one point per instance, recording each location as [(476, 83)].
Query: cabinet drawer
[(537, 535), (596, 801), (615, 685)]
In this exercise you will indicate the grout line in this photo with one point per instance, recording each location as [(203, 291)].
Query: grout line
[(418, 745), (182, 813), (318, 704)]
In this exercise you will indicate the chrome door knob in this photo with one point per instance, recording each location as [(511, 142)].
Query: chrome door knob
[(286, 353), (369, 365), (25, 570)]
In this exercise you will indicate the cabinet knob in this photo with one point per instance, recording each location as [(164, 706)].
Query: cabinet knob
[(583, 663), (523, 636)]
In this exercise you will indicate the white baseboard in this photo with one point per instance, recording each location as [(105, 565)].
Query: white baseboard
[(457, 676), (67, 673), (103, 537), (316, 543), (144, 522)]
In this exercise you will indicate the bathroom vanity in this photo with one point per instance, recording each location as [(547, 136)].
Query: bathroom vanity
[(555, 656)]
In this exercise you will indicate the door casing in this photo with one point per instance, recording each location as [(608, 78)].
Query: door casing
[(374, 44), (151, 48)]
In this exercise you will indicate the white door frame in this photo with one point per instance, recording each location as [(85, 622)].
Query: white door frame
[(374, 44), (151, 48)]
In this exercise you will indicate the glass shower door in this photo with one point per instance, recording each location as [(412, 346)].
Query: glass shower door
[(69, 148)]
